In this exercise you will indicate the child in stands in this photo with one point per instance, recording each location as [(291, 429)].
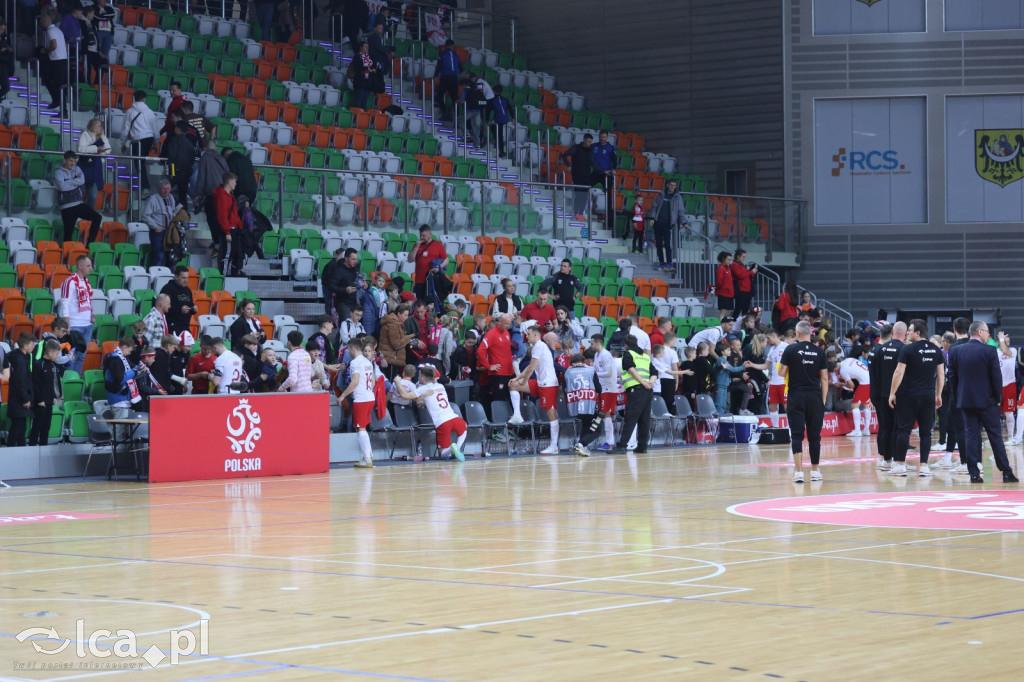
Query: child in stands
[(20, 393), (404, 382), (639, 229), (46, 391)]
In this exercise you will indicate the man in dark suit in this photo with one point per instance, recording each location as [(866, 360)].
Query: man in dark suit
[(976, 382)]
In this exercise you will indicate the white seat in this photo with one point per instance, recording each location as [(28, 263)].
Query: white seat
[(16, 232), (662, 308), (521, 266), (159, 276), (576, 249), (387, 262), (470, 246), (282, 325), (558, 250), (135, 276), (229, 320), (211, 325), (503, 266), (594, 251), (22, 251), (541, 267), (44, 196), (695, 307), (100, 303), (303, 265), (332, 240), (482, 284), (626, 268), (120, 302), (372, 242), (679, 307)]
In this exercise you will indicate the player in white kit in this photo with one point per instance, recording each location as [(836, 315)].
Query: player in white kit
[(1008, 370), (434, 397), (545, 386), (855, 368), (609, 376), (777, 382), (360, 387)]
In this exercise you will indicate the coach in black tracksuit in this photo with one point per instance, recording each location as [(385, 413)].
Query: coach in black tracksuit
[(881, 366), (806, 366), (915, 393)]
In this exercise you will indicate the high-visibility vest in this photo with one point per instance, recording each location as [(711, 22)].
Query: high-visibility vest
[(642, 364)]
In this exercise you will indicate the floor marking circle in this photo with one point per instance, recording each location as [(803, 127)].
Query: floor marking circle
[(948, 510)]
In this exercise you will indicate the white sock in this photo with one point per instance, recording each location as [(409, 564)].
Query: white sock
[(461, 439), (867, 421), (364, 445), (516, 400), (1009, 424), (774, 416), (554, 433), (856, 419), (609, 431), (1020, 424), (446, 453)]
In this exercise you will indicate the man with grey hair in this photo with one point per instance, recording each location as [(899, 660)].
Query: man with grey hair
[(157, 214), (881, 366), (976, 383), (806, 366), (156, 320)]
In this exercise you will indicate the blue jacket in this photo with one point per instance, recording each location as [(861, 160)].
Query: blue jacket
[(500, 107), (448, 63), (115, 379), (604, 156)]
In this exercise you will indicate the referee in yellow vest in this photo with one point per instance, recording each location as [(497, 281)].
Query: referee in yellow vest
[(636, 381)]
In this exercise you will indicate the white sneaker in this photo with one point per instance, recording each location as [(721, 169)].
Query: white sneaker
[(798, 477), (960, 469), (854, 434), (910, 467), (882, 465), (945, 463), (582, 450), (815, 474), (898, 470), (516, 420), (939, 447), (550, 450), (925, 470), (1015, 441)]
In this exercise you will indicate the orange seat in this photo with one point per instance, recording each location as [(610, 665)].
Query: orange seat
[(93, 356), (462, 284), (609, 307), (31, 276), (591, 306), (222, 304), (357, 139), (504, 247), (275, 154), (427, 164), (289, 112), (477, 304), (267, 324), (643, 287), (303, 135), (48, 253), (627, 306), (220, 85), (149, 17), (24, 137), (320, 137), (108, 347), (487, 246), (56, 274), (42, 323), (114, 232), (484, 264), (201, 300), (15, 325), (465, 264), (296, 156), (659, 287), (445, 166)]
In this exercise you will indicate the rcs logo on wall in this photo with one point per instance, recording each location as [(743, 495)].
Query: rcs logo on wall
[(873, 162), (999, 155)]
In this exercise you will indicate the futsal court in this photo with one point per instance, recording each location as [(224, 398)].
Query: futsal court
[(703, 563)]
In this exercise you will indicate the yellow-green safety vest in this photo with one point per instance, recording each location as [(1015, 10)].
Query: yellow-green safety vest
[(642, 364)]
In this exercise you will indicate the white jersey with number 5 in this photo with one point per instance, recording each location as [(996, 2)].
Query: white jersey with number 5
[(228, 367), (546, 376), (437, 404), (364, 389)]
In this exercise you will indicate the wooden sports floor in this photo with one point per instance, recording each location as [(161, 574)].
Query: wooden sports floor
[(558, 568)]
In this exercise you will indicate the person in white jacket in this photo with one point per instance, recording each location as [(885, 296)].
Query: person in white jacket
[(141, 130), (93, 145)]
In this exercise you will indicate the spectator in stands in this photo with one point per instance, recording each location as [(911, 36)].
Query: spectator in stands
[(300, 366), (420, 324), (103, 24), (6, 60), (157, 214), (580, 159), (712, 335), (139, 337), (71, 27), (59, 332), (355, 15), (141, 133), (667, 215), (156, 321), (639, 244), (785, 314), (447, 340), (379, 51), (322, 338), (266, 380), (70, 183), (246, 323), (248, 350), (180, 150), (265, 18), (541, 310), (90, 46), (345, 280), (394, 340), (664, 327), (374, 299), (474, 95), (463, 360), (161, 367), (564, 286), (319, 378), (203, 126), (229, 248), (227, 369), (200, 367), (46, 390), (423, 251), (724, 287), (92, 147), (240, 165), (364, 71), (502, 114), (351, 327), (404, 294), (494, 354), (329, 281), (449, 66), (177, 99), (55, 65), (75, 305), (183, 307), (507, 301), (743, 277), (606, 161), (643, 339), (119, 383), (567, 327)]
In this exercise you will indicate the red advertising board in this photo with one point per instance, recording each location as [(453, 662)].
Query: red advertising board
[(834, 424), (238, 436)]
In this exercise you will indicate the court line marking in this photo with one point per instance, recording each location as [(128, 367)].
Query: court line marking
[(67, 568)]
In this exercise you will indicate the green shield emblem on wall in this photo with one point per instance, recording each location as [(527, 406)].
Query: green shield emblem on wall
[(998, 157)]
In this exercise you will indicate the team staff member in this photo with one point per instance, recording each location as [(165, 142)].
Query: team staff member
[(564, 286), (743, 280), (975, 381), (915, 393), (494, 354), (806, 367), (424, 251), (955, 418), (881, 366), (636, 381), (724, 286)]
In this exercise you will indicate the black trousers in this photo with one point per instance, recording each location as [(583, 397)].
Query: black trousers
[(40, 431), (447, 85), (743, 300), (71, 216), (142, 148), (663, 242), (591, 428), (955, 430), (16, 436), (55, 76), (668, 392), (806, 412), (910, 409), (638, 242), (943, 414), (886, 438), (976, 419), (638, 416)]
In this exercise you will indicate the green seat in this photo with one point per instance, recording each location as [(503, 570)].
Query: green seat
[(8, 276), (125, 323), (541, 247), (290, 239), (126, 254), (609, 268), (271, 243), (94, 387), (626, 287), (75, 420), (610, 286), (210, 279), (102, 254), (44, 232), (644, 307), (56, 425), (39, 302), (144, 300), (72, 386), (105, 328)]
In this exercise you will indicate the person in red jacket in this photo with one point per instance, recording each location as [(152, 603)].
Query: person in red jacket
[(541, 311), (177, 99), (786, 310), (495, 355), (743, 278), (724, 285), (229, 236)]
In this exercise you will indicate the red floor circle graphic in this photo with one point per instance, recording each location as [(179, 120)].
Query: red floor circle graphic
[(983, 510)]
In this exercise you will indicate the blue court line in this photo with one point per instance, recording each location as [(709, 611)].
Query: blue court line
[(240, 674), (993, 615), (466, 583)]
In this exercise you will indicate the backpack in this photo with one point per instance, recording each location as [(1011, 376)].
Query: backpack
[(617, 342)]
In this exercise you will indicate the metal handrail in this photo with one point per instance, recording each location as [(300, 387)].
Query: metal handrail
[(842, 319)]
